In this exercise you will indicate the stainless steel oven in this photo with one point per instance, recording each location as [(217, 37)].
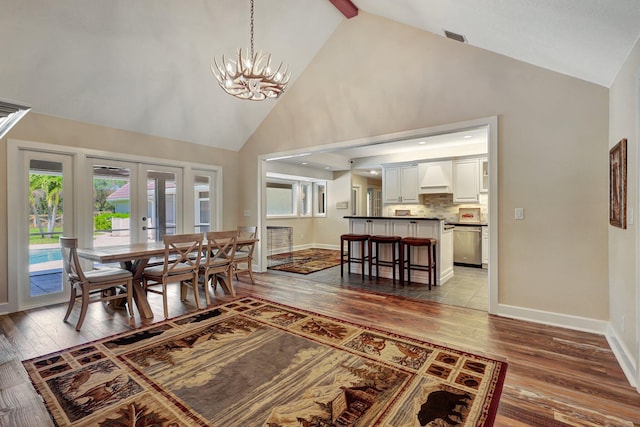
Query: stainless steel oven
[(467, 245)]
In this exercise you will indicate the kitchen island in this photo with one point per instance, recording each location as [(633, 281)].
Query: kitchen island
[(409, 226)]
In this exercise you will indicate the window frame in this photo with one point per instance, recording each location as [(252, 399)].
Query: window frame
[(294, 197), (319, 209)]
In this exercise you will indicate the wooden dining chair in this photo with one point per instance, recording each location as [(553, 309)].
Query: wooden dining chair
[(243, 261), (92, 286), (182, 253), (220, 253)]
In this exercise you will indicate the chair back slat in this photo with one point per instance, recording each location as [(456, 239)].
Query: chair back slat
[(247, 232), (70, 260), (182, 252), (221, 247)]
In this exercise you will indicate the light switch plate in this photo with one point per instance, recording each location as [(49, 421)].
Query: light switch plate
[(519, 213)]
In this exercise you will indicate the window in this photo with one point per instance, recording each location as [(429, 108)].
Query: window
[(306, 199), (202, 208), (296, 197), (281, 198), (320, 198)]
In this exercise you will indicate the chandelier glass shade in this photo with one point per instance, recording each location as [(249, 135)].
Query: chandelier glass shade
[(250, 74)]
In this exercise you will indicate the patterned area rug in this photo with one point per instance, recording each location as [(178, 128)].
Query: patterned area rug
[(306, 261), (253, 362)]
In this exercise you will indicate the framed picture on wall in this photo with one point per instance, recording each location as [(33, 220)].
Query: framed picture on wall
[(618, 184)]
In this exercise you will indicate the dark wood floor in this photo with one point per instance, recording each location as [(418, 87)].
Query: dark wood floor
[(556, 377)]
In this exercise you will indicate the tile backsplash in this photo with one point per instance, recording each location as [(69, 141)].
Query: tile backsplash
[(440, 206)]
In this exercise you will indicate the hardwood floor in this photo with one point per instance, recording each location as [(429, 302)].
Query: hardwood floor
[(556, 377)]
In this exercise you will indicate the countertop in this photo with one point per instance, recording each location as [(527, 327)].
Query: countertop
[(407, 217), (468, 224)]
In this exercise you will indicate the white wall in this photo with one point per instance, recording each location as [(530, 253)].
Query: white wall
[(624, 110)]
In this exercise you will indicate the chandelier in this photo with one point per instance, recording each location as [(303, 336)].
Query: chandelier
[(250, 75)]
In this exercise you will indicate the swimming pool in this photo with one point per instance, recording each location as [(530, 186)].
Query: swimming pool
[(37, 256)]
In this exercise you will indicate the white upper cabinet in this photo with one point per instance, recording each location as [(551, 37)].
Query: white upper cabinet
[(466, 177), (435, 177), (400, 184), (484, 175)]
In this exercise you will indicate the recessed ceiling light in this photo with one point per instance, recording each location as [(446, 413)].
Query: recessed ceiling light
[(422, 142), (373, 172), (327, 167), (468, 136), (305, 163)]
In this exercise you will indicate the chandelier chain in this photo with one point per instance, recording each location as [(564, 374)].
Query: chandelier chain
[(252, 28)]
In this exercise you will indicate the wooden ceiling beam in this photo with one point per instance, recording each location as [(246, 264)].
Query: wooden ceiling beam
[(346, 7)]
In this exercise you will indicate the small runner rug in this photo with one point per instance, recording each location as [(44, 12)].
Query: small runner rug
[(252, 362), (306, 261)]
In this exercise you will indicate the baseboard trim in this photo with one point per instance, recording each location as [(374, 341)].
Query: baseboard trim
[(624, 357), (316, 246), (553, 319)]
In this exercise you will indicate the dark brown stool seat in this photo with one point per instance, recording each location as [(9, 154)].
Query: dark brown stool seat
[(430, 267), (347, 257), (396, 255)]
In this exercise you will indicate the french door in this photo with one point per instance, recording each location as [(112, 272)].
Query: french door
[(46, 207), (160, 202), (134, 202), (102, 200)]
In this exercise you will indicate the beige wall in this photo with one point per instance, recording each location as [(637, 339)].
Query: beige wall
[(623, 290), (359, 181), (46, 129), (327, 231), (376, 77)]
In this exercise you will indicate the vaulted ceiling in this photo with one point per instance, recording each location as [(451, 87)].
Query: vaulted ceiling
[(143, 65)]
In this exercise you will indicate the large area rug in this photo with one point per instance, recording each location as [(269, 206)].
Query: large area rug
[(306, 261), (252, 362)]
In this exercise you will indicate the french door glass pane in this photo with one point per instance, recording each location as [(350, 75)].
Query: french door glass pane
[(202, 209), (111, 205), (46, 207), (161, 204)]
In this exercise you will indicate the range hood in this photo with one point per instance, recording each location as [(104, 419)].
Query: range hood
[(435, 177)]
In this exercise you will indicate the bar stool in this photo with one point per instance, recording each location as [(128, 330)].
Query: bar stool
[(430, 267), (396, 255), (350, 239)]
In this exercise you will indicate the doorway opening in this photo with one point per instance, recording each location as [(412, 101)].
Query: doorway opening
[(365, 154)]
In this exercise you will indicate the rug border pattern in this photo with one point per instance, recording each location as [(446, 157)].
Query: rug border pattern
[(486, 412)]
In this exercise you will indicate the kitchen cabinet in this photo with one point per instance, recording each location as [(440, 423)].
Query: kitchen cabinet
[(435, 177), (400, 184), (466, 177), (485, 247), (484, 175), (374, 227)]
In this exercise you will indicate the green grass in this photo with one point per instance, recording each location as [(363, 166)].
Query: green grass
[(36, 239)]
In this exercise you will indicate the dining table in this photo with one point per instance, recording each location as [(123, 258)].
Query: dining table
[(135, 257)]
